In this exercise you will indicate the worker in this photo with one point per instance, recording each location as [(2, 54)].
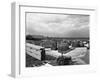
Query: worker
[(42, 54)]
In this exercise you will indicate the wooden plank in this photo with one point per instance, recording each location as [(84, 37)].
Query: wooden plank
[(33, 50)]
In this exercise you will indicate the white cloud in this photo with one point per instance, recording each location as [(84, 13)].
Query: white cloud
[(57, 25)]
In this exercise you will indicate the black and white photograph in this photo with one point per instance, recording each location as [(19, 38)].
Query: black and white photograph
[(55, 39)]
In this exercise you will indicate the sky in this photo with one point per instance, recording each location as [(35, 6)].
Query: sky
[(57, 25)]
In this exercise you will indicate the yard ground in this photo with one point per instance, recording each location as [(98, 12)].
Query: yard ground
[(78, 58)]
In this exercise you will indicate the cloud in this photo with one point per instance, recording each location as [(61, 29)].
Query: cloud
[(57, 25)]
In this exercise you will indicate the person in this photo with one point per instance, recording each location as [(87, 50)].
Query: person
[(42, 54)]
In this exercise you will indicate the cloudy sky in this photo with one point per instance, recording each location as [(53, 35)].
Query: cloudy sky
[(57, 25)]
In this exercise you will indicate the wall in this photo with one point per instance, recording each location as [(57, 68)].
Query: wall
[(5, 41)]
